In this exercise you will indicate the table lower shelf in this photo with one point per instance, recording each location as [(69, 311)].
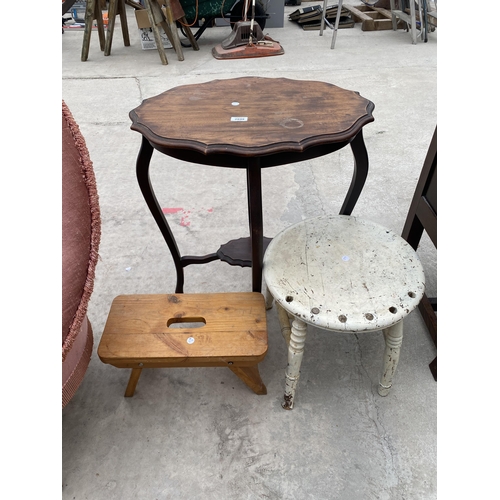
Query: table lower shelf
[(239, 252)]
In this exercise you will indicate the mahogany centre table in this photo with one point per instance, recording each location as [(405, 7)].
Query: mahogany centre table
[(250, 123)]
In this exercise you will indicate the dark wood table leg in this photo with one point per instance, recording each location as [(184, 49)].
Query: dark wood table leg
[(254, 192), (359, 176), (142, 172)]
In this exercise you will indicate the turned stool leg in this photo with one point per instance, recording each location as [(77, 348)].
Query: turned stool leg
[(132, 382), (393, 340), (295, 354)]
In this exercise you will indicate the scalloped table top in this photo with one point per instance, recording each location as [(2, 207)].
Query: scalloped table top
[(251, 116)]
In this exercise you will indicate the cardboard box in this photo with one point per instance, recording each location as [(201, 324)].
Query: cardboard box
[(146, 33)]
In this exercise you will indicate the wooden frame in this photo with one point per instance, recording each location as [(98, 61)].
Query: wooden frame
[(422, 215)]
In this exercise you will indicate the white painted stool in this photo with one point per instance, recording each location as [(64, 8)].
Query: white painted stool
[(342, 274)]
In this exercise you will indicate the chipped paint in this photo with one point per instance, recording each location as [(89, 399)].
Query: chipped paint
[(366, 278)]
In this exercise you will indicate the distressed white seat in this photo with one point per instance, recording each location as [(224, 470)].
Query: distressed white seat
[(342, 274)]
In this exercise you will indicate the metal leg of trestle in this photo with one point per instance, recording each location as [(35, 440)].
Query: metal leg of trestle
[(335, 27)]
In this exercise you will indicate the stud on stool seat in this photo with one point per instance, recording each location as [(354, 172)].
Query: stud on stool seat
[(223, 329), (342, 274)]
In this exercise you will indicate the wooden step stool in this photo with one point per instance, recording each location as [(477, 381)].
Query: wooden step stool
[(187, 330)]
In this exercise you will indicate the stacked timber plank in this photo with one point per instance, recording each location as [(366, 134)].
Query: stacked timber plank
[(309, 18)]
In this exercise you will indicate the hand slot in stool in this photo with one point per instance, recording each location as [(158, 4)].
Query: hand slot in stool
[(186, 322)]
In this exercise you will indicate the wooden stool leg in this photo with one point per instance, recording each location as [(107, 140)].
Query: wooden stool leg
[(113, 8), (100, 25), (132, 382), (116, 7), (172, 31), (87, 32), (124, 23), (156, 32), (393, 340), (189, 34), (295, 354), (251, 377), (174, 39)]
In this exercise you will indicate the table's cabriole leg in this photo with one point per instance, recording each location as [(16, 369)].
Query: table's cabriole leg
[(393, 340), (359, 176), (295, 354), (142, 172)]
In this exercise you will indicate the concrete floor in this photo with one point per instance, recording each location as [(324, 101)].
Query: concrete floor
[(200, 433)]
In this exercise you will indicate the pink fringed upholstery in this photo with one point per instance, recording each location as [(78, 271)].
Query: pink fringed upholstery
[(81, 232)]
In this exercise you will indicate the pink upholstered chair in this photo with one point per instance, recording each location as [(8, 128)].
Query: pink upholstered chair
[(81, 232)]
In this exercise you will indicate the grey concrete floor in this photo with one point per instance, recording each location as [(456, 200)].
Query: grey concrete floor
[(200, 433)]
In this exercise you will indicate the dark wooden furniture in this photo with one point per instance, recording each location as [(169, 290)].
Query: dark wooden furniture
[(422, 215), (250, 123), (66, 5)]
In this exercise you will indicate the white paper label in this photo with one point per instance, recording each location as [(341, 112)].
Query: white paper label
[(239, 118)]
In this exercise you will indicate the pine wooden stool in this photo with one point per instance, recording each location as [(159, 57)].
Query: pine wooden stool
[(342, 274), (225, 329)]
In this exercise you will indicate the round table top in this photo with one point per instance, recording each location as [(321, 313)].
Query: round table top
[(251, 116), (342, 273)]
